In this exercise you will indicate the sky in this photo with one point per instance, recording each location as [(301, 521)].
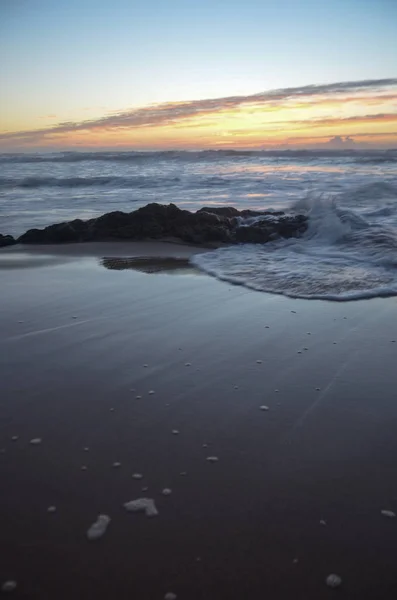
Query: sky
[(180, 74)]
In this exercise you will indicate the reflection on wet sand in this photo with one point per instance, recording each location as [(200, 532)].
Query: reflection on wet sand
[(151, 264)]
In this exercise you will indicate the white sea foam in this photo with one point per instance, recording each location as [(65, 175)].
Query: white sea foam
[(349, 250), (98, 529)]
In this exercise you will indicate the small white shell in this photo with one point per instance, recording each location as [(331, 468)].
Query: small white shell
[(116, 465), (9, 586), (388, 513), (175, 432), (35, 441), (166, 492), (263, 407), (333, 581), (212, 459), (137, 476)]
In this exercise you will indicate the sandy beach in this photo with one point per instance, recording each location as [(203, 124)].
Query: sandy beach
[(295, 398)]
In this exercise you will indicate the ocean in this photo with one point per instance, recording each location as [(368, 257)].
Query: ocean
[(349, 250)]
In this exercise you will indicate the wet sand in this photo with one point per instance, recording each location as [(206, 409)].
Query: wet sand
[(74, 339)]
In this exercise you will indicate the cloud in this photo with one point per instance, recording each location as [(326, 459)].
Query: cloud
[(172, 113)]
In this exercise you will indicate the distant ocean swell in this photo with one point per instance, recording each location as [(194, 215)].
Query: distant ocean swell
[(365, 156)]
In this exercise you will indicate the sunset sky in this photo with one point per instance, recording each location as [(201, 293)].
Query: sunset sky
[(178, 74)]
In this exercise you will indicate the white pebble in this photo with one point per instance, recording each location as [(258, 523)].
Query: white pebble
[(276, 391), (170, 596), (166, 492), (51, 509), (9, 586), (138, 397), (258, 362), (83, 468), (35, 441), (86, 449), (137, 476), (15, 438), (188, 364), (205, 445), (111, 409), (333, 581), (151, 392), (175, 432), (263, 407), (98, 529), (146, 505), (388, 513), (212, 459), (322, 522), (116, 465)]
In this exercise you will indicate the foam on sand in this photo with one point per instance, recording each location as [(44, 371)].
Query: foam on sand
[(145, 505), (98, 529)]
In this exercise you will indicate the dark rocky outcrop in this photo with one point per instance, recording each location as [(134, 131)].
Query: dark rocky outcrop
[(6, 240), (208, 226)]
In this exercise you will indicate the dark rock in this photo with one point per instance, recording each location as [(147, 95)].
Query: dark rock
[(270, 228), (6, 240), (210, 226)]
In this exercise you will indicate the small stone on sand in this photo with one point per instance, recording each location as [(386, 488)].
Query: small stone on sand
[(138, 397), (299, 352), (258, 362), (145, 488), (116, 465), (306, 348), (293, 311), (333, 581), (15, 438), (276, 390), (188, 364), (8, 586), (267, 327), (145, 366), (166, 492), (151, 392), (263, 407), (35, 441), (183, 474), (74, 317), (111, 409), (146, 505), (170, 596), (322, 522), (317, 389), (132, 390), (388, 513), (83, 468), (175, 432), (51, 509), (212, 459), (236, 387), (295, 561), (205, 445), (98, 529), (86, 449), (137, 476)]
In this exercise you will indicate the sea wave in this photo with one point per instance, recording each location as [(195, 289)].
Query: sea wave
[(359, 156), (347, 253)]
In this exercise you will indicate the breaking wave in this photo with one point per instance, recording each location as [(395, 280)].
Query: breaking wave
[(349, 250)]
